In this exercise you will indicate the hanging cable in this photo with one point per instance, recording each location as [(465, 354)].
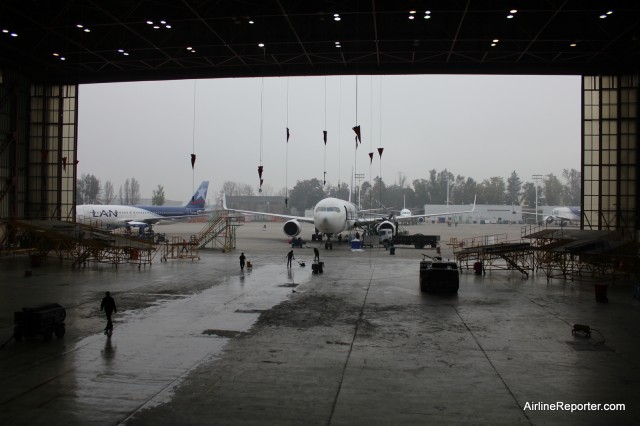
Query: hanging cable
[(193, 139), (286, 172), (324, 133), (260, 167)]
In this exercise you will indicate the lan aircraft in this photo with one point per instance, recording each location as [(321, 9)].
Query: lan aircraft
[(114, 216), (333, 215)]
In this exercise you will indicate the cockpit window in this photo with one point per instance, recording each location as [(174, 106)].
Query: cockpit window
[(328, 209)]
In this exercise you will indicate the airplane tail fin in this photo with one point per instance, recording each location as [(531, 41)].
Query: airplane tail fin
[(198, 199), (474, 203)]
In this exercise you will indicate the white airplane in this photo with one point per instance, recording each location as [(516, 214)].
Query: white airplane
[(333, 215), (115, 216), (564, 214)]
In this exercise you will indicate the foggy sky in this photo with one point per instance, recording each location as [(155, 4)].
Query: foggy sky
[(474, 126)]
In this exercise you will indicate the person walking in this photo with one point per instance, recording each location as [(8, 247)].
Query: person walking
[(242, 260), (109, 306), (316, 254), (289, 258)]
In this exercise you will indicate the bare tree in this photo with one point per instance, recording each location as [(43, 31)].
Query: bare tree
[(107, 193)]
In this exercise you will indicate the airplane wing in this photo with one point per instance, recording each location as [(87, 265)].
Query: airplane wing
[(415, 216), (283, 216)]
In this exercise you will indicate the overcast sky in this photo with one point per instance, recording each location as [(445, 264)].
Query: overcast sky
[(474, 126)]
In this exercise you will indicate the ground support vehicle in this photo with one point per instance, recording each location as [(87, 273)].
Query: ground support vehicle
[(46, 320), (438, 276), (419, 241)]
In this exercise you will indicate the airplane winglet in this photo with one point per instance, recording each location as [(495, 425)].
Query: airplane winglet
[(474, 203)]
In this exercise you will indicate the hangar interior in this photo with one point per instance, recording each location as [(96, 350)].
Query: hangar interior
[(48, 49)]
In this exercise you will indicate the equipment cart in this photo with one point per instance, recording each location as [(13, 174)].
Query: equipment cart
[(45, 319)]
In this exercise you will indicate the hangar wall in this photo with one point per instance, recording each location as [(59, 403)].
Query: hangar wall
[(610, 153), (38, 141)]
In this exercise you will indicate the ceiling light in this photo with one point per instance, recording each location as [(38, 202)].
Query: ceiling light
[(155, 27), (168, 26), (56, 54), (251, 22), (150, 22), (189, 47), (411, 17), (337, 18), (509, 16), (512, 11), (163, 22), (610, 12), (573, 44), (14, 34), (335, 15), (260, 44), (412, 12), (125, 54), (62, 58), (5, 31), (79, 26), (120, 50), (193, 50), (495, 40), (427, 12), (603, 16), (87, 30), (493, 44)]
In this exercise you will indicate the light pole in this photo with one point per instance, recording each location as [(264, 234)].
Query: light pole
[(358, 177), (535, 179)]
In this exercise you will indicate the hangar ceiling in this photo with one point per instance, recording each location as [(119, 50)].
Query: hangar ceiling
[(85, 41)]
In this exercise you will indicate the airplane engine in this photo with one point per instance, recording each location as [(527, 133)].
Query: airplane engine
[(292, 228), (549, 219), (421, 220), (386, 225)]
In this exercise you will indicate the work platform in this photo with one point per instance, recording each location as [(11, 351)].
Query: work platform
[(493, 252), (91, 242), (583, 254), (566, 253)]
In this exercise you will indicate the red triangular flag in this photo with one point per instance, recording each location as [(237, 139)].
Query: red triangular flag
[(193, 160), (260, 168), (324, 133), (370, 157), (357, 130), (380, 151)]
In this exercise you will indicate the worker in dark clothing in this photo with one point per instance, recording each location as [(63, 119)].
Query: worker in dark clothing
[(242, 259), (289, 258), (109, 307), (316, 254)]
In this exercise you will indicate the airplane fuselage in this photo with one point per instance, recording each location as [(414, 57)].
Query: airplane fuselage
[(332, 216)]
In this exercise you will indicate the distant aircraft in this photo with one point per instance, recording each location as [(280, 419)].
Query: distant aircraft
[(564, 214), (333, 215), (114, 216)]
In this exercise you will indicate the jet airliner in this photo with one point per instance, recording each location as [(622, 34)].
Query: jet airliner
[(333, 215), (564, 214), (114, 216)]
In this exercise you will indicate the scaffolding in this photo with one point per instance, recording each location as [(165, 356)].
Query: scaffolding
[(583, 255), (78, 242), (219, 233), (493, 252)]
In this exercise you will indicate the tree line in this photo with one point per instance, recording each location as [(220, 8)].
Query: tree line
[(551, 191), (90, 191)]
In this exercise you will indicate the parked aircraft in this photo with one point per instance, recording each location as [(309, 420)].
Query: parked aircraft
[(333, 215), (564, 214), (114, 216)]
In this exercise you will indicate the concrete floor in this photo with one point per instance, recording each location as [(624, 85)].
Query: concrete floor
[(199, 342)]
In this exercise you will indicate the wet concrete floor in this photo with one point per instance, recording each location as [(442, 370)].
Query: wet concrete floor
[(199, 342)]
